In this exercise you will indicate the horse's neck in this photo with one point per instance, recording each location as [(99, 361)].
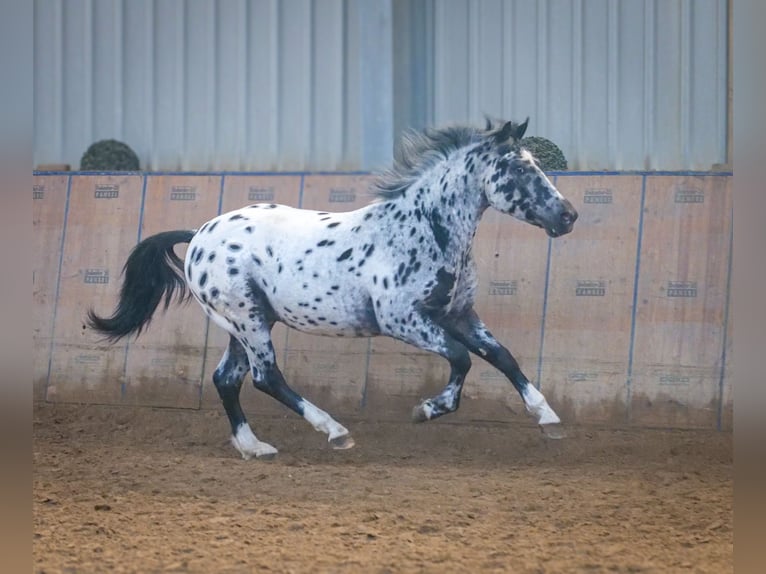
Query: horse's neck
[(452, 198)]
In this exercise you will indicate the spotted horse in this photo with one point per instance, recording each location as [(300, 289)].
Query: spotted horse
[(400, 267)]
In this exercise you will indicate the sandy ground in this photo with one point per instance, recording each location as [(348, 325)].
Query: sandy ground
[(154, 490)]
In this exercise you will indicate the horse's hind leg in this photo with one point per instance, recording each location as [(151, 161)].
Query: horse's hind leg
[(268, 378), (228, 382), (475, 335)]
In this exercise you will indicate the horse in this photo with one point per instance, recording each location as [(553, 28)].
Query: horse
[(400, 267)]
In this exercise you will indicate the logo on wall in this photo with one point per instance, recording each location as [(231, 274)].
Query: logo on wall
[(100, 276), (503, 287), (107, 191), (491, 375), (408, 372), (581, 377), (260, 194), (342, 195), (88, 359), (38, 192), (681, 289), (669, 379), (689, 195), (183, 193), (598, 195), (590, 288)]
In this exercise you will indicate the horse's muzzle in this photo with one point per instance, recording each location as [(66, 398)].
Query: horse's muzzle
[(563, 222)]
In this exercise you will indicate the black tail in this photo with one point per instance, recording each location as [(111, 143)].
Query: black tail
[(151, 271)]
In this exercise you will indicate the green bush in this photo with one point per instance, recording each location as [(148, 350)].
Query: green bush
[(548, 155), (109, 155)]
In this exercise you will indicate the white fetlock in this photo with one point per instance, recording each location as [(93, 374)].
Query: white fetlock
[(323, 422), (537, 405), (249, 446)]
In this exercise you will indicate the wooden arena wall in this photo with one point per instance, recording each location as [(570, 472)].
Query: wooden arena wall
[(626, 321)]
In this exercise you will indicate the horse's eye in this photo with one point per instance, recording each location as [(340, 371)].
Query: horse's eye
[(520, 170)]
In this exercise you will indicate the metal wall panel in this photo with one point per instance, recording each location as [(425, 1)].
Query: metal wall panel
[(277, 85), (199, 85), (617, 85)]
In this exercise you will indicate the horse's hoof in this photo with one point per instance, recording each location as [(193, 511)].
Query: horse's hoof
[(342, 442), (419, 414), (554, 431)]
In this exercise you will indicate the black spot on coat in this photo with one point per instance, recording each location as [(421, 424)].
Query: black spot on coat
[(441, 235), (440, 297)]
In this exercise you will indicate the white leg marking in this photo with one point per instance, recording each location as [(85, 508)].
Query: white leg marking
[(428, 409), (321, 421), (248, 444), (538, 406)]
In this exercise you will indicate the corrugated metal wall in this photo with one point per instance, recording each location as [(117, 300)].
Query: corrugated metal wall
[(193, 85), (617, 85), (277, 85)]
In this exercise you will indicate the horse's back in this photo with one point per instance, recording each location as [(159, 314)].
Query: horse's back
[(307, 266)]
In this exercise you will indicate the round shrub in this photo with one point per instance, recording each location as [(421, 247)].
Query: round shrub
[(548, 155), (109, 155)]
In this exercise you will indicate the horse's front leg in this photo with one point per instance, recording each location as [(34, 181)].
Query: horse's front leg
[(426, 334), (474, 334)]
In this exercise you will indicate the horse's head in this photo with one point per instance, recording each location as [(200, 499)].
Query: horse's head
[(515, 184)]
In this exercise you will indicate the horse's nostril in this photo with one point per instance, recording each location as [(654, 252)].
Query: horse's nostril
[(569, 217)]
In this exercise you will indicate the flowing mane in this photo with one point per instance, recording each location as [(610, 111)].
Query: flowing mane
[(418, 151)]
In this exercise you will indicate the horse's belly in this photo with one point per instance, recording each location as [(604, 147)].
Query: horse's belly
[(329, 313)]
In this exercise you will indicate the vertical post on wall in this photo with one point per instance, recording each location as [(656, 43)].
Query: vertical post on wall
[(729, 85), (376, 82)]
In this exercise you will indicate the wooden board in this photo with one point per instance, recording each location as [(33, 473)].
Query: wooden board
[(330, 372), (678, 379), (164, 365), (586, 344), (102, 228), (49, 195), (681, 301), (241, 190)]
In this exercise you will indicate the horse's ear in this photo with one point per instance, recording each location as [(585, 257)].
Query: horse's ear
[(521, 129), (488, 124), (505, 133), (510, 130)]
